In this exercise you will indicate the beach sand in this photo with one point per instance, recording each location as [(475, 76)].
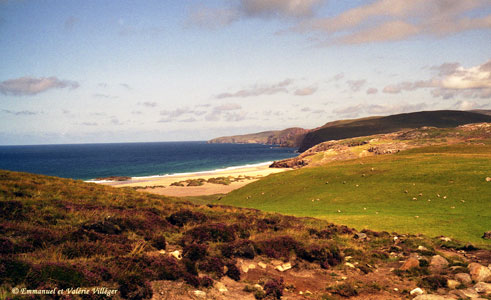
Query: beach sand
[(153, 184)]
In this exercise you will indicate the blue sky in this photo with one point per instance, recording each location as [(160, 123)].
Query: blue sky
[(133, 71)]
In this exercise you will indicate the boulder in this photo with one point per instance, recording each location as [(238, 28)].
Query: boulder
[(487, 235), (221, 287), (438, 263), (284, 267), (467, 293), (479, 272), (199, 294), (361, 236), (176, 254), (416, 292), (411, 262), (452, 284), (262, 265), (483, 288), (464, 278)]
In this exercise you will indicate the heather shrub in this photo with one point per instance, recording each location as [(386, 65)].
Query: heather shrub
[(240, 248), (213, 265), (233, 271), (158, 241), (274, 288), (205, 281), (215, 232), (190, 266), (191, 279), (324, 255), (166, 268), (345, 290), (277, 247), (87, 249), (6, 246), (56, 274), (195, 251), (135, 288), (433, 282), (106, 227), (185, 216), (12, 210), (12, 270)]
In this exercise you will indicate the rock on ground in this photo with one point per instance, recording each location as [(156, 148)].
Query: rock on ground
[(479, 272)]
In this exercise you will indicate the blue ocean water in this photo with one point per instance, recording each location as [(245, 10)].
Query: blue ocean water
[(90, 161)]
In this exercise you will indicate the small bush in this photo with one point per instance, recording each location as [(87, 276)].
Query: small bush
[(274, 288), (158, 241), (12, 210), (13, 271), (191, 279), (278, 247), (185, 216), (57, 274), (213, 265), (240, 248), (6, 246), (433, 282), (205, 281), (216, 232), (135, 288), (344, 290), (195, 251), (233, 272)]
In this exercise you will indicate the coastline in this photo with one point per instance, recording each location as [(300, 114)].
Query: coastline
[(162, 184)]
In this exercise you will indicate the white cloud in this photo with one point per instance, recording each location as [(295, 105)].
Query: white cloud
[(217, 17), (258, 90), (356, 85), (31, 86), (148, 104), (452, 80), (307, 91), (392, 20), (279, 8), (212, 18), (19, 113)]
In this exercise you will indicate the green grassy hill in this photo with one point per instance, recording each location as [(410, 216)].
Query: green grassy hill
[(437, 190), (376, 125)]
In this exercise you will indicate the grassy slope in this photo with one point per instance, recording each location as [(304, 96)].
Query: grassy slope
[(457, 172), (376, 125)]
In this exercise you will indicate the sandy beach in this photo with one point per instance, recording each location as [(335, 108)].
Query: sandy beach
[(162, 185)]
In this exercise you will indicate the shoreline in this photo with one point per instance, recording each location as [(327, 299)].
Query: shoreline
[(161, 185), (139, 178)]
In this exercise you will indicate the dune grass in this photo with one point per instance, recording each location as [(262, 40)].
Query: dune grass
[(438, 190)]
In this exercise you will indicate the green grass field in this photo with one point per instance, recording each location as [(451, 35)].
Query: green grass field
[(433, 190)]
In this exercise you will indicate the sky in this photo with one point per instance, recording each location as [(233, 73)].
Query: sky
[(97, 71)]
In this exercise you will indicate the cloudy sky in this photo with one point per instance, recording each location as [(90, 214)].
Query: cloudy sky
[(131, 71)]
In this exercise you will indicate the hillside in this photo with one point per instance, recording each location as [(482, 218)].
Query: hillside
[(291, 137), (95, 241), (435, 190), (379, 144), (377, 125)]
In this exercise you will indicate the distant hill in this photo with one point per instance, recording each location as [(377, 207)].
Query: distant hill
[(291, 137), (376, 125), (482, 111)]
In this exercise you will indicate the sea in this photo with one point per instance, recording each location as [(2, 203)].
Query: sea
[(91, 161)]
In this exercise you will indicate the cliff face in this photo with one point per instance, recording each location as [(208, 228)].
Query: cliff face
[(291, 137), (378, 125)]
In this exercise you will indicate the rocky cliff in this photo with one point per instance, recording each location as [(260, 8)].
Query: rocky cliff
[(291, 137)]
